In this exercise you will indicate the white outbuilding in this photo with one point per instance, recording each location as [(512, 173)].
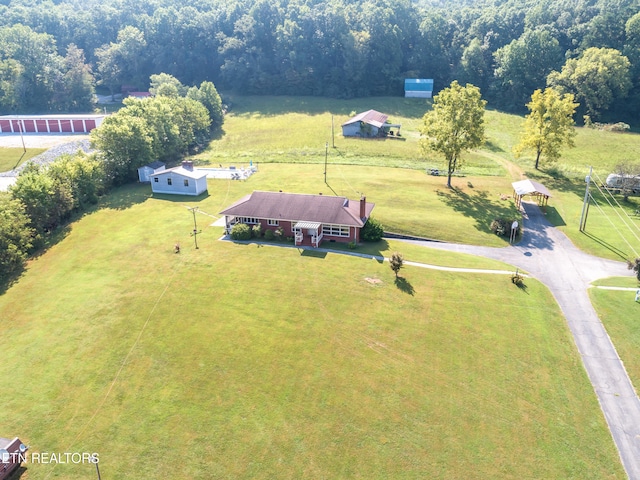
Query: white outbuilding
[(153, 167), (182, 180)]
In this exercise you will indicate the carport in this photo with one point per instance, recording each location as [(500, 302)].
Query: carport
[(529, 187)]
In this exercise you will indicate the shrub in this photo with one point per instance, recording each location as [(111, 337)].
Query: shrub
[(256, 231), (499, 227), (352, 245), (635, 266), (502, 227), (241, 231), (279, 233), (395, 262), (372, 231), (269, 235)]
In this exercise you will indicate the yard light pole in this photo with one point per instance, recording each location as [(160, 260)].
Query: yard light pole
[(326, 154), (195, 227)]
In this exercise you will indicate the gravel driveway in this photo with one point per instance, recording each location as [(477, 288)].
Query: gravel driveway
[(56, 145)]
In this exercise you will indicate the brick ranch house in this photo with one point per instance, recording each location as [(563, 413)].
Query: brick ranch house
[(308, 219)]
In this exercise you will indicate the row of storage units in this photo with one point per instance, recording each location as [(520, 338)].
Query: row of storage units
[(49, 123)]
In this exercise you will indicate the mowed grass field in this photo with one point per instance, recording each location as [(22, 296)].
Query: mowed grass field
[(248, 361), (10, 158), (298, 129), (619, 313)]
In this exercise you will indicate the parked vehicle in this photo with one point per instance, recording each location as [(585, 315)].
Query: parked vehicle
[(617, 183)]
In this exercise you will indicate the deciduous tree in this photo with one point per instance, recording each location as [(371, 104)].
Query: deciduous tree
[(208, 96), (598, 77), (47, 202), (549, 125), (523, 65), (455, 124), (15, 235), (125, 143)]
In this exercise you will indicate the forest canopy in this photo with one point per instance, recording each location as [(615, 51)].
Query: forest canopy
[(53, 51)]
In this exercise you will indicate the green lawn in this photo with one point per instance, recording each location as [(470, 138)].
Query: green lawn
[(251, 361), (247, 361), (10, 158), (619, 313)]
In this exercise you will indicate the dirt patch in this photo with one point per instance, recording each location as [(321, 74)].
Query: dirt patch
[(373, 281)]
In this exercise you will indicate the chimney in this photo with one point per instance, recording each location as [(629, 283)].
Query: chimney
[(187, 165), (363, 206)]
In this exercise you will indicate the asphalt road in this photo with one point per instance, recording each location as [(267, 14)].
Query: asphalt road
[(548, 255)]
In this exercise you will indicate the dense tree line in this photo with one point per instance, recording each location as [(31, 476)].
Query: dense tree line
[(338, 48)]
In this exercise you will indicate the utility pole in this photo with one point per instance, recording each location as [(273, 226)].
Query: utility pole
[(21, 136), (333, 135), (585, 203), (326, 154), (196, 232)]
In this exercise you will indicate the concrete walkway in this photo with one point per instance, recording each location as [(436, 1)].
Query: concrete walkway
[(548, 255)]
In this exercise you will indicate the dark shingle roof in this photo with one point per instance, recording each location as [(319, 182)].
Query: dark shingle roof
[(296, 207)]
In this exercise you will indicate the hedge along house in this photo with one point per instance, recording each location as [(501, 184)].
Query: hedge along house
[(369, 124), (308, 219), (50, 123), (418, 87), (182, 180)]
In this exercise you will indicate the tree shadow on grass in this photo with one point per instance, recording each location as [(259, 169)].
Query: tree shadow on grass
[(478, 206), (553, 216), (556, 180), (126, 196), (493, 147), (10, 279), (522, 287), (404, 286), (268, 106)]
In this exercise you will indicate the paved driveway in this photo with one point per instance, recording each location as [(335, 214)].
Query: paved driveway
[(548, 255)]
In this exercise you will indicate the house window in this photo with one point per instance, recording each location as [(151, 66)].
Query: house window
[(335, 230), (248, 220), (273, 223), (168, 181), (186, 183), (155, 179)]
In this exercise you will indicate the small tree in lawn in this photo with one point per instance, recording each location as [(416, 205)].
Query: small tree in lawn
[(455, 124), (395, 262)]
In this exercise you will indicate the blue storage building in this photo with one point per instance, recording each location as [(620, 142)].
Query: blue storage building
[(418, 87)]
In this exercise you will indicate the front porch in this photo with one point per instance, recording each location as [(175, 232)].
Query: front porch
[(307, 234)]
